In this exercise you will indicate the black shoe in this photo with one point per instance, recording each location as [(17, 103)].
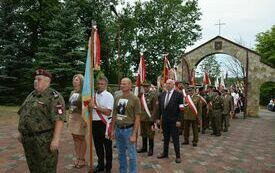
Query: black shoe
[(142, 150), (108, 171), (203, 132), (195, 144), (98, 169), (161, 156), (218, 134), (178, 160), (213, 134), (225, 130), (185, 143)]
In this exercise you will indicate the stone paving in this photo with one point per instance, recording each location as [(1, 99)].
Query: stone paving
[(248, 147)]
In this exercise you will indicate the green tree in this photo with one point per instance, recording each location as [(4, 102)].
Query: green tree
[(266, 46), (13, 63), (155, 28), (210, 65), (267, 92)]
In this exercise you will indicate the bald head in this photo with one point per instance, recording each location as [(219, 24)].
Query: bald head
[(125, 85)]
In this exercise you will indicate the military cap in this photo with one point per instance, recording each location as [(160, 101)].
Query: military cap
[(42, 72), (145, 83)]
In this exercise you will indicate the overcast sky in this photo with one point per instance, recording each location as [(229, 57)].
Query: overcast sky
[(243, 19)]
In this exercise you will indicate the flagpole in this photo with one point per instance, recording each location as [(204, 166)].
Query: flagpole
[(92, 97)]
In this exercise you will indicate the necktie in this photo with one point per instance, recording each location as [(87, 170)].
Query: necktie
[(166, 99)]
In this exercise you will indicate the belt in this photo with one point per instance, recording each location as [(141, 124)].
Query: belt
[(32, 134), (126, 126)]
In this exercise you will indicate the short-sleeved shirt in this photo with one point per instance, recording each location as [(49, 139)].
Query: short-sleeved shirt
[(105, 100), (126, 108), (40, 111)]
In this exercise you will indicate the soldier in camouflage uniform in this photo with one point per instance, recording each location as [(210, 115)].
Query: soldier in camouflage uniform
[(217, 105), (228, 110), (204, 110), (41, 120), (147, 122), (191, 119)]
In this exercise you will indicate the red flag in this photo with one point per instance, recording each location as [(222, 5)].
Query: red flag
[(166, 68), (206, 79), (96, 49), (141, 71), (193, 79)]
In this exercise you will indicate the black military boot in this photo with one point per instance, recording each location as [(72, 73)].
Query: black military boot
[(151, 147), (144, 146)]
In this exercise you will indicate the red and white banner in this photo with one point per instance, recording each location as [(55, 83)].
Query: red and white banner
[(96, 49), (206, 79), (140, 79), (144, 105), (166, 68), (191, 105), (193, 78), (141, 71)]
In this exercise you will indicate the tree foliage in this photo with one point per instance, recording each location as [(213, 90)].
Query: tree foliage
[(53, 34), (210, 65), (266, 46), (157, 28), (267, 92)]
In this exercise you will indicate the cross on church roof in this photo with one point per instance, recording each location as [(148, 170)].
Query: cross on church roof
[(220, 26)]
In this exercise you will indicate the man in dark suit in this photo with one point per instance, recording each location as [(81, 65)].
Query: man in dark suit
[(170, 105)]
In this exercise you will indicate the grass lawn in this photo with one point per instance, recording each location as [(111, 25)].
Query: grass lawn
[(8, 113)]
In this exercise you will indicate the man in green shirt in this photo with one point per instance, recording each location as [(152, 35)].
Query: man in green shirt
[(125, 123)]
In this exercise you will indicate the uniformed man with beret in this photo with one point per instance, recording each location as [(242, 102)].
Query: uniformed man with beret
[(41, 120), (146, 120)]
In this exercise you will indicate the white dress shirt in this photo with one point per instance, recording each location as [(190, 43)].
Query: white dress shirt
[(104, 100)]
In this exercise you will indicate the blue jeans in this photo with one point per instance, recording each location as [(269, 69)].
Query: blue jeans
[(123, 143)]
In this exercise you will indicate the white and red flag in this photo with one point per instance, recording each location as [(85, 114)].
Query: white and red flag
[(166, 68), (193, 78), (141, 71), (141, 77), (96, 49), (206, 79)]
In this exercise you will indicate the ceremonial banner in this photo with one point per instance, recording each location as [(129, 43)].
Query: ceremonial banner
[(206, 79)]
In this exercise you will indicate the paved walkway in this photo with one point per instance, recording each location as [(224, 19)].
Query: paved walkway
[(249, 146)]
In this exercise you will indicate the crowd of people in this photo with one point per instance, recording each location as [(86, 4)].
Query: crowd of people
[(172, 110)]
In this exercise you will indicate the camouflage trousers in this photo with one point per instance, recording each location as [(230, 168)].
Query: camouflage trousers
[(146, 129), (216, 121), (40, 158)]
